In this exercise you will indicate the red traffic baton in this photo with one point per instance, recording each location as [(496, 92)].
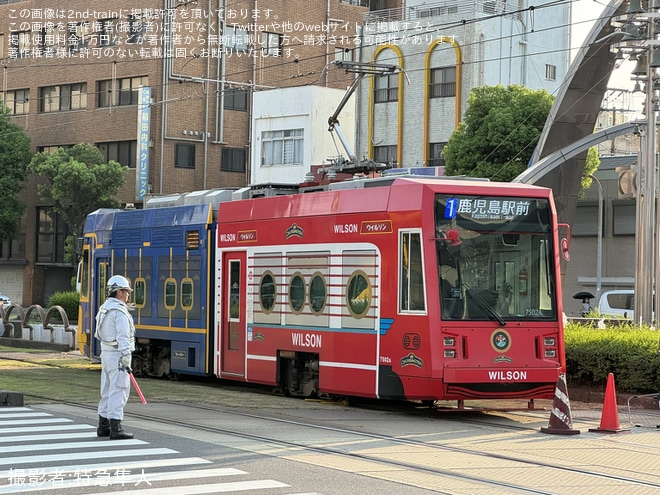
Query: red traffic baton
[(135, 385)]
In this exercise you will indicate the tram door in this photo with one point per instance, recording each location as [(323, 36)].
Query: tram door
[(99, 294), (233, 314)]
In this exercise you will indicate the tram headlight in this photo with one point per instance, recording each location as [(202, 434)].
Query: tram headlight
[(449, 341), (549, 341), (550, 353), (450, 353)]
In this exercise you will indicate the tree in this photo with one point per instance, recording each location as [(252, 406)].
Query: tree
[(77, 182), (498, 133), (15, 155)]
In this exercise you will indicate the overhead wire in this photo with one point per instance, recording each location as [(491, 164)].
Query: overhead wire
[(437, 26)]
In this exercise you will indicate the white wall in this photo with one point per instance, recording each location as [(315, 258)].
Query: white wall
[(306, 108)]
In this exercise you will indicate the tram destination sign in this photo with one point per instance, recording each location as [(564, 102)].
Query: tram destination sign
[(487, 208)]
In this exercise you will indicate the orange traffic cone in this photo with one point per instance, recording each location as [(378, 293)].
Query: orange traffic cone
[(560, 417), (609, 420)]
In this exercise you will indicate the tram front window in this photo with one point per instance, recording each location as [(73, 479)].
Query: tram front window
[(495, 258)]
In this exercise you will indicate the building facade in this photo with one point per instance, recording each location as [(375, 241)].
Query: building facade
[(75, 71), (444, 49), (614, 188)]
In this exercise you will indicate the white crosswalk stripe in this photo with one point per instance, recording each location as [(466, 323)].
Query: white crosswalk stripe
[(32, 439)]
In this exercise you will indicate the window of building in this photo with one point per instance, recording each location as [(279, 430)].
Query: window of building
[(271, 44), (17, 100), (120, 91), (283, 147), (235, 38), (435, 155), (360, 3), (443, 82), (78, 36), (386, 88), (233, 160), (623, 217), (63, 98), (14, 249), (136, 28), (107, 32), (20, 44), (123, 152), (585, 222), (344, 54), (185, 155), (385, 154), (51, 234), (550, 72), (235, 99), (50, 38), (52, 149)]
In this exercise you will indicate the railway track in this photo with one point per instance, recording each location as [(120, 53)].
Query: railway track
[(433, 451)]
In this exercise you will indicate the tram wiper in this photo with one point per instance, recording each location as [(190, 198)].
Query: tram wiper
[(484, 304)]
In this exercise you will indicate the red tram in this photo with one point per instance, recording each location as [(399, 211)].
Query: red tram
[(399, 288)]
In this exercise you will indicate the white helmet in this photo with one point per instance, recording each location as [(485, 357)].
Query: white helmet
[(117, 282)]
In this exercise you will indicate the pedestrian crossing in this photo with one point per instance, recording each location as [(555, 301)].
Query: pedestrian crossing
[(43, 453)]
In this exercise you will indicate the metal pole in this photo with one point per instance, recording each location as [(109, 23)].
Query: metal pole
[(648, 219), (599, 249)]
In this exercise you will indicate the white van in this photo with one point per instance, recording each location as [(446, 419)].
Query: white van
[(617, 303)]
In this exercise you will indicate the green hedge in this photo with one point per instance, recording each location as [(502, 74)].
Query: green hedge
[(69, 301), (628, 351)]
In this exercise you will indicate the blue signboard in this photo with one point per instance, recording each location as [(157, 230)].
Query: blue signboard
[(144, 116)]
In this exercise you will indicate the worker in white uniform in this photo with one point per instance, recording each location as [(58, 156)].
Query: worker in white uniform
[(116, 331)]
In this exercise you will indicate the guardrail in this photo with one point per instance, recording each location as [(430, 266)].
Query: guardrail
[(36, 324)]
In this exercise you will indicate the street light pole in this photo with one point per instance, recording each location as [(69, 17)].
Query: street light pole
[(639, 39), (599, 249)]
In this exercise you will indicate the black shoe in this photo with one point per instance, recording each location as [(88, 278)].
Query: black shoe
[(116, 431), (104, 427)]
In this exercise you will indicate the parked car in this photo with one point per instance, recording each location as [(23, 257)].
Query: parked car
[(4, 300), (617, 303)]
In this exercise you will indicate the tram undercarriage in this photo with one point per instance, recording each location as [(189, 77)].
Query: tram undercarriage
[(298, 373), (152, 358)]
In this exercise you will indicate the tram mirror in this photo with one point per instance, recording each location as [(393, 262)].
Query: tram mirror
[(510, 239), (454, 237)]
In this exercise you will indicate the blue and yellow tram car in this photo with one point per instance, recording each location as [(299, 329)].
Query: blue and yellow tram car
[(167, 255)]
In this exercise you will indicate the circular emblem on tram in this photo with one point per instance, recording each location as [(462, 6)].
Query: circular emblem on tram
[(500, 340)]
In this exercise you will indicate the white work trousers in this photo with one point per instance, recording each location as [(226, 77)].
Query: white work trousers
[(115, 386)]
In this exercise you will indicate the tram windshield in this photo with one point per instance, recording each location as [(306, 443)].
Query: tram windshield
[(495, 258)]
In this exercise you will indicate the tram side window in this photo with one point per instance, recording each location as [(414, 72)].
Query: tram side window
[(187, 294), (297, 293), (102, 281), (139, 292), (83, 275), (170, 293), (267, 292), (317, 293), (358, 294), (411, 275)]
